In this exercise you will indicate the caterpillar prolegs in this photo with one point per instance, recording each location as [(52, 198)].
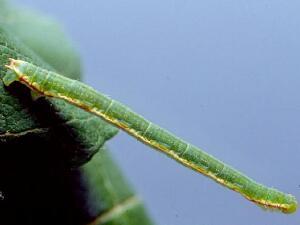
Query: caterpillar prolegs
[(47, 83)]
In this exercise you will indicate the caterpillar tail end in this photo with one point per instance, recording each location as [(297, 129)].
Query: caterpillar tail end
[(292, 206), (287, 205), (11, 74)]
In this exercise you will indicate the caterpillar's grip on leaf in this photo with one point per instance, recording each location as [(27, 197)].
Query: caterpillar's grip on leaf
[(54, 85)]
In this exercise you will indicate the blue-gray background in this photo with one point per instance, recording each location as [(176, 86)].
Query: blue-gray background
[(224, 75)]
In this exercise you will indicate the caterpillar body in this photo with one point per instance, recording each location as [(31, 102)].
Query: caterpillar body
[(47, 83)]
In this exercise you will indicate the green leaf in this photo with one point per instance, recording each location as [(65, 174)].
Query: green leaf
[(18, 114), (47, 145), (44, 35)]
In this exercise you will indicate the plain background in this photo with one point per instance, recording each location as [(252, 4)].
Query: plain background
[(222, 74)]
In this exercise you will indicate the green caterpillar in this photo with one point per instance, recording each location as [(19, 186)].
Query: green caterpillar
[(50, 84)]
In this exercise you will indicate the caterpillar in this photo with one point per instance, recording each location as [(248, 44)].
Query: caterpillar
[(51, 84)]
